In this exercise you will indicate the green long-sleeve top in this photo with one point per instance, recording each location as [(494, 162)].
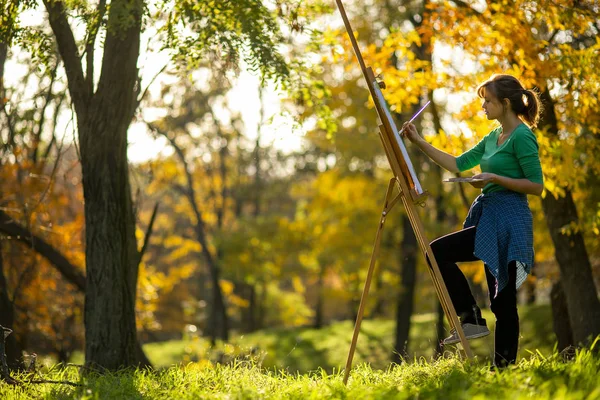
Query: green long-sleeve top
[(516, 158)]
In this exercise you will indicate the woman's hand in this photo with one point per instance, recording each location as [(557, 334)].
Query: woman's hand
[(409, 131), (486, 178), (441, 158)]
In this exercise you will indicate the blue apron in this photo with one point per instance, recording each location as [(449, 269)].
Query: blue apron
[(504, 234)]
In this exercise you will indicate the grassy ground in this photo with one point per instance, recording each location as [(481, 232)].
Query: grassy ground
[(306, 363), (303, 349), (448, 378)]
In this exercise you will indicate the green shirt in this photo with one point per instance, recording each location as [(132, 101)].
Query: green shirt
[(516, 158)]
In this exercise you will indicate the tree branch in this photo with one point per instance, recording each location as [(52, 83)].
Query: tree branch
[(26, 273), (69, 54), (40, 125), (190, 192), (89, 47), (148, 233), (52, 142), (463, 4), (3, 55), (11, 228), (9, 124), (145, 91)]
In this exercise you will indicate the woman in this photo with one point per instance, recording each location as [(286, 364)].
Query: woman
[(498, 229)]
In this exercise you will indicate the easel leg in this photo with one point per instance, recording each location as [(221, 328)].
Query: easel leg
[(386, 207)]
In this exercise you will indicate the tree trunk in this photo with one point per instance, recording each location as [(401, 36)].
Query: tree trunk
[(404, 309), (439, 330), (251, 308), (219, 310), (575, 268), (10, 351), (218, 316), (379, 306), (560, 317), (4, 370), (529, 286), (261, 305), (320, 299), (111, 247), (247, 315), (218, 324), (13, 350)]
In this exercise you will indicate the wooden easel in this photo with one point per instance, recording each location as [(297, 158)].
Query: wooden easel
[(410, 193)]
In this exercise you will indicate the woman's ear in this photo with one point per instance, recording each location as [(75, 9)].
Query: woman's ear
[(506, 104)]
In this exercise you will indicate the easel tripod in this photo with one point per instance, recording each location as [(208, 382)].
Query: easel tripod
[(410, 193)]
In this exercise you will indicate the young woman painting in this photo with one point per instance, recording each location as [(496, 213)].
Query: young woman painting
[(498, 229)]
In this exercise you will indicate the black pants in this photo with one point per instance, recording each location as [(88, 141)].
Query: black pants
[(459, 247)]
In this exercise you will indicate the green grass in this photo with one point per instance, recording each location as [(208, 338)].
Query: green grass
[(305, 363), (447, 378), (304, 349)]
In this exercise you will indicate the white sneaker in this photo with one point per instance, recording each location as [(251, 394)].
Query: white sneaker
[(471, 331)]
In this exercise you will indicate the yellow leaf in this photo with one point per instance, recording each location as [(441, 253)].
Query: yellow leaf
[(226, 286)]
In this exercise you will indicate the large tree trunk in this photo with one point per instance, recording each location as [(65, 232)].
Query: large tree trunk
[(111, 248), (404, 308), (575, 268), (103, 118)]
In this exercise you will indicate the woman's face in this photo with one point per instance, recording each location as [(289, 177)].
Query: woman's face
[(491, 105)]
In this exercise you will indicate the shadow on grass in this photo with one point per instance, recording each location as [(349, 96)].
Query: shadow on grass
[(115, 385)]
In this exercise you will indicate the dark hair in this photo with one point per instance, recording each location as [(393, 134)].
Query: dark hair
[(522, 101)]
